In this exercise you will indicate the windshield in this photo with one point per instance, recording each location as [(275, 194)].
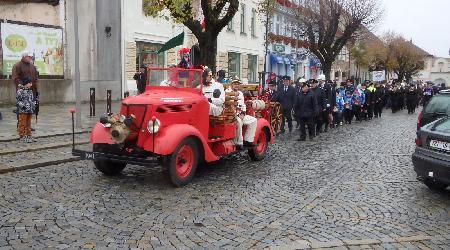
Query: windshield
[(439, 104), (174, 77)]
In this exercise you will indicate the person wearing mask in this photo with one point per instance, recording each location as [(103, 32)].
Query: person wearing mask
[(141, 79), (286, 97), (306, 108), (214, 92)]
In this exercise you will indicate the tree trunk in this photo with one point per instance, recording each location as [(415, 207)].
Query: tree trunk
[(208, 51), (326, 67)]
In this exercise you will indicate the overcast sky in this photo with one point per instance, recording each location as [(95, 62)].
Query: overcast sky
[(427, 22)]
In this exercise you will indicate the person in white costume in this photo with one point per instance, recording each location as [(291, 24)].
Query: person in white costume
[(242, 118), (214, 92)]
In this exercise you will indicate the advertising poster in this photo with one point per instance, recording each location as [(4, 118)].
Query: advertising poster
[(46, 45)]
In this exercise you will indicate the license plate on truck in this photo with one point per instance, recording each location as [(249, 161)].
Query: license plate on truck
[(440, 145), (89, 156)]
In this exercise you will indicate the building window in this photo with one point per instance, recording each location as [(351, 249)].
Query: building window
[(253, 23), (252, 68), (230, 25), (277, 24), (234, 64), (243, 18), (146, 55)]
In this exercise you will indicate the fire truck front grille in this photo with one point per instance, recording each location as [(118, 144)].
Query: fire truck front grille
[(138, 111)]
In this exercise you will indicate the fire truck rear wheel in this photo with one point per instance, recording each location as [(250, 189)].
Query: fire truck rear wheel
[(182, 163), (109, 168)]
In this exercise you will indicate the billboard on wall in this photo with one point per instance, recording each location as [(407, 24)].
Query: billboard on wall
[(46, 45)]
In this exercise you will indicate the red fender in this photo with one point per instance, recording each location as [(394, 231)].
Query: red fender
[(263, 123), (100, 134), (169, 137)]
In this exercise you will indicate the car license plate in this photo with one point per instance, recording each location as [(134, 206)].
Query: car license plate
[(89, 155), (440, 145)]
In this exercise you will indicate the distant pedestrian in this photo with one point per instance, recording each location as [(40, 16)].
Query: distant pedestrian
[(348, 106), (427, 93), (286, 95), (411, 99), (25, 69), (26, 108), (306, 108), (141, 79), (221, 77)]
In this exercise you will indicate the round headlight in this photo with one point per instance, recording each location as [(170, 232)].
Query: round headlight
[(153, 126)]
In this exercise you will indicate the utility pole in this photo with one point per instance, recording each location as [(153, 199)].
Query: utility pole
[(77, 68)]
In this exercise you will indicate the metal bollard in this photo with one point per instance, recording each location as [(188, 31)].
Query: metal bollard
[(92, 102), (108, 101)]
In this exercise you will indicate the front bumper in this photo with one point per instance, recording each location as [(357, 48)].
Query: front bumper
[(428, 166), (90, 155)]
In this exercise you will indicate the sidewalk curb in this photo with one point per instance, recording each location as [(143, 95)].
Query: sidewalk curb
[(47, 136), (48, 146), (9, 169)]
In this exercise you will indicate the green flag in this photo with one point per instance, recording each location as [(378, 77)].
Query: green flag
[(172, 43)]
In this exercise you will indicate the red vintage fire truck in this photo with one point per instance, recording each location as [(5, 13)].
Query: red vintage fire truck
[(169, 124)]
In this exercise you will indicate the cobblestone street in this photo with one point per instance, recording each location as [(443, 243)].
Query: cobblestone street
[(357, 189)]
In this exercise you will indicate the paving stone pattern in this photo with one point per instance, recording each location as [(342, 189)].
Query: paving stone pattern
[(356, 190)]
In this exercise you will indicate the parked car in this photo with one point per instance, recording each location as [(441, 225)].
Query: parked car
[(437, 107), (431, 158)]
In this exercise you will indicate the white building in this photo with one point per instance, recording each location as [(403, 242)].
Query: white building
[(437, 70)]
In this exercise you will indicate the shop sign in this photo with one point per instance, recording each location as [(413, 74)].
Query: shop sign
[(279, 48)]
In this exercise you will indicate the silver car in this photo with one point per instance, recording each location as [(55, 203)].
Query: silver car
[(431, 158)]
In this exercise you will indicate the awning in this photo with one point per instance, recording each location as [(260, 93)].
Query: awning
[(293, 61), (274, 59), (172, 43)]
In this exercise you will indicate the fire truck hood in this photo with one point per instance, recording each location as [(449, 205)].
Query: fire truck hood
[(165, 95)]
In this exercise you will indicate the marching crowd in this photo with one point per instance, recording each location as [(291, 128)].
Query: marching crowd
[(319, 105)]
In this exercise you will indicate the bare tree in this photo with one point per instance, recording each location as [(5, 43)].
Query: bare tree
[(331, 24), (216, 15), (408, 58), (395, 54)]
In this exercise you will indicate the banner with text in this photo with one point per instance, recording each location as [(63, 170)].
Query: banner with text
[(378, 76), (46, 45)]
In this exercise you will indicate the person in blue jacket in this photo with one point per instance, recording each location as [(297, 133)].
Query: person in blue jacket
[(348, 105), (338, 109)]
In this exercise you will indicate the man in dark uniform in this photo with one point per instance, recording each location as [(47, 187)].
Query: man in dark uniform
[(141, 79), (286, 95), (378, 98), (321, 101), (306, 109), (330, 98)]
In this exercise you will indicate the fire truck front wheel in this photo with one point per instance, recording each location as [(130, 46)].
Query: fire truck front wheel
[(109, 168), (182, 163), (258, 151)]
